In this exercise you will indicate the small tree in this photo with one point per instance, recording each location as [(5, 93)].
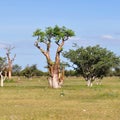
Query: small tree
[(58, 35), (10, 60), (30, 71), (16, 69), (92, 62)]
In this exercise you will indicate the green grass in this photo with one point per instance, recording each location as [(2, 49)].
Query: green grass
[(33, 100)]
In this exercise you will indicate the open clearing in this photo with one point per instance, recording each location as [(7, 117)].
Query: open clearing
[(34, 100)]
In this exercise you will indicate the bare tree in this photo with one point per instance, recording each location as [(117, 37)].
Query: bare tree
[(10, 60)]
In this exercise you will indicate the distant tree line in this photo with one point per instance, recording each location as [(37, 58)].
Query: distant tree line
[(32, 70), (28, 71)]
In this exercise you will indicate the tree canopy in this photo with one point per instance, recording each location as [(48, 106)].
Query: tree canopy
[(92, 62)]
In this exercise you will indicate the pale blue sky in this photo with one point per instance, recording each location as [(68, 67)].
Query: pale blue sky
[(94, 22)]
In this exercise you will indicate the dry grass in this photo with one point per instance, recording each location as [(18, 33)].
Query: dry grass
[(34, 100)]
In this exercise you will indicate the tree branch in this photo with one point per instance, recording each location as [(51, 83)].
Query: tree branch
[(36, 44), (60, 47), (65, 39), (48, 45), (13, 58), (59, 50), (45, 53)]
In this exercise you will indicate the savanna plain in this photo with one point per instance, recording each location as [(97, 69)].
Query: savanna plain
[(32, 99)]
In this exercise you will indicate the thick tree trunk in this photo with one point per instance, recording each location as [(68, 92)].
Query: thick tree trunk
[(55, 82)]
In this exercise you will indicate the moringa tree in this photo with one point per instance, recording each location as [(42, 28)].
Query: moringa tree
[(92, 62), (58, 35)]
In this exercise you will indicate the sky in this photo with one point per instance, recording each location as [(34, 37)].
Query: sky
[(95, 22)]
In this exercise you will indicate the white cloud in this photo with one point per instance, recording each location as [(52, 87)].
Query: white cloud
[(74, 38), (109, 37), (3, 45)]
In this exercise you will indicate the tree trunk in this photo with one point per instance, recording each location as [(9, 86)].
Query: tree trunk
[(55, 82), (89, 83), (9, 74), (2, 79), (61, 77)]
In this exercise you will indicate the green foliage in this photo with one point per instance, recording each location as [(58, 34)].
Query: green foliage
[(40, 35), (56, 33), (49, 33), (70, 73), (92, 62), (62, 33), (31, 71), (16, 69)]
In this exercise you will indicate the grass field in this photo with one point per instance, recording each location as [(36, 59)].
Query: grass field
[(34, 100)]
